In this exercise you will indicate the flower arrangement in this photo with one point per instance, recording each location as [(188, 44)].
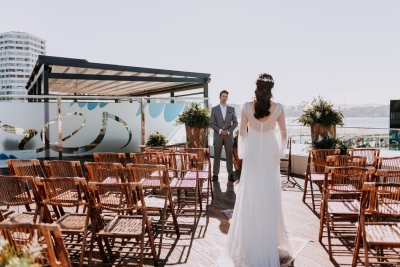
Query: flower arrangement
[(156, 139), (194, 116), (320, 112), (24, 256)]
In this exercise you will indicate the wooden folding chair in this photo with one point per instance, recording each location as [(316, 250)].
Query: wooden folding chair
[(203, 169), (110, 157), (183, 166), (20, 191), (370, 153), (69, 192), (316, 169), (155, 177), (387, 176), (48, 236), (122, 198), (105, 172), (341, 196), (378, 225)]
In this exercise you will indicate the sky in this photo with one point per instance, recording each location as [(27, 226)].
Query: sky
[(345, 51)]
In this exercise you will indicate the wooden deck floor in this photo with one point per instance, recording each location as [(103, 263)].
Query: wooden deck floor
[(201, 243)]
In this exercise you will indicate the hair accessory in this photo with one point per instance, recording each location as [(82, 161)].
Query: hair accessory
[(265, 79)]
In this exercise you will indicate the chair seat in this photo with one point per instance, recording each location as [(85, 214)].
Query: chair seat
[(318, 177), (125, 226), (340, 188), (382, 233), (151, 183), (26, 217), (393, 208), (72, 223), (183, 183), (66, 198), (112, 180), (203, 175), (153, 202), (344, 207), (170, 173)]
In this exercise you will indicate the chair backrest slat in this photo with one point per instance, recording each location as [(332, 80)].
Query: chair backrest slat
[(111, 157), (63, 168), (25, 167), (370, 153)]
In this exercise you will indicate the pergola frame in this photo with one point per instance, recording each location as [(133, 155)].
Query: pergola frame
[(68, 76)]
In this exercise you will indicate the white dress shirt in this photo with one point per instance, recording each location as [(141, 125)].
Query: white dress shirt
[(223, 111)]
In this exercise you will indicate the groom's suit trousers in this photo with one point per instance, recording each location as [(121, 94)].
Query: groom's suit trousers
[(227, 142)]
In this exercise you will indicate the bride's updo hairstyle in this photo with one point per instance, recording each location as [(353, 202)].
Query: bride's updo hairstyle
[(264, 83)]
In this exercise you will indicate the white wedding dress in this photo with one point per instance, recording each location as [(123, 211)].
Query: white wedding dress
[(257, 235)]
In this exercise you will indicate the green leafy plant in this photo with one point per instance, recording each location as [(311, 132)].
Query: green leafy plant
[(156, 139), (194, 116), (329, 142), (320, 112), (22, 257)]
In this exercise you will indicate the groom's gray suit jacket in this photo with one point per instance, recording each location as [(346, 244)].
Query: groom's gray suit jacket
[(217, 122)]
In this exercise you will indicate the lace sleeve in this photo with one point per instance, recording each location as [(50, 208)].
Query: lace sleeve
[(282, 135), (242, 138)]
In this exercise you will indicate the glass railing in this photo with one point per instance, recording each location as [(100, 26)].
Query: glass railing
[(57, 126), (383, 138)]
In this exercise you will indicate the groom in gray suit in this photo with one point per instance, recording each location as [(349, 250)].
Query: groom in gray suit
[(223, 121)]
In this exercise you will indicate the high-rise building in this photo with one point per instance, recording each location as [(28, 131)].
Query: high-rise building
[(18, 54)]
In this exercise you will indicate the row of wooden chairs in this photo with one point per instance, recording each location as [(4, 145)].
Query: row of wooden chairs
[(102, 173), (318, 159), (125, 199), (342, 193)]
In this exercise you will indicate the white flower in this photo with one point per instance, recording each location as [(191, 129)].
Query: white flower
[(337, 146), (327, 112), (14, 262), (3, 243), (318, 114)]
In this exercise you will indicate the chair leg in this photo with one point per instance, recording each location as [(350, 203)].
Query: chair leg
[(164, 215), (305, 188), (357, 247), (173, 213), (328, 230), (321, 222), (365, 245), (312, 196), (84, 240), (151, 241)]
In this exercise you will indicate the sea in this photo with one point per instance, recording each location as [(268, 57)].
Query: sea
[(361, 122)]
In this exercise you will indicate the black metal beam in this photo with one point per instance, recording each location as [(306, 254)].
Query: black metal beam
[(71, 76), (81, 63), (169, 89)]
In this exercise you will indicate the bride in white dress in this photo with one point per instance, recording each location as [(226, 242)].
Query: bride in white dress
[(257, 235)]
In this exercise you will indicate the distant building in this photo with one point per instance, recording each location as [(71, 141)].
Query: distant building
[(18, 54)]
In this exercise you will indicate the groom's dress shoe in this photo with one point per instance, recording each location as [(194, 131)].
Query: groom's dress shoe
[(215, 178), (231, 179)]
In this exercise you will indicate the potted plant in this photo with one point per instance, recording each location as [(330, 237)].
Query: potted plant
[(321, 117), (235, 157), (197, 121), (329, 142), (156, 139)]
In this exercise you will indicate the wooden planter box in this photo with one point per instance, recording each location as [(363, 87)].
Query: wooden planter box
[(320, 131), (196, 137)]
